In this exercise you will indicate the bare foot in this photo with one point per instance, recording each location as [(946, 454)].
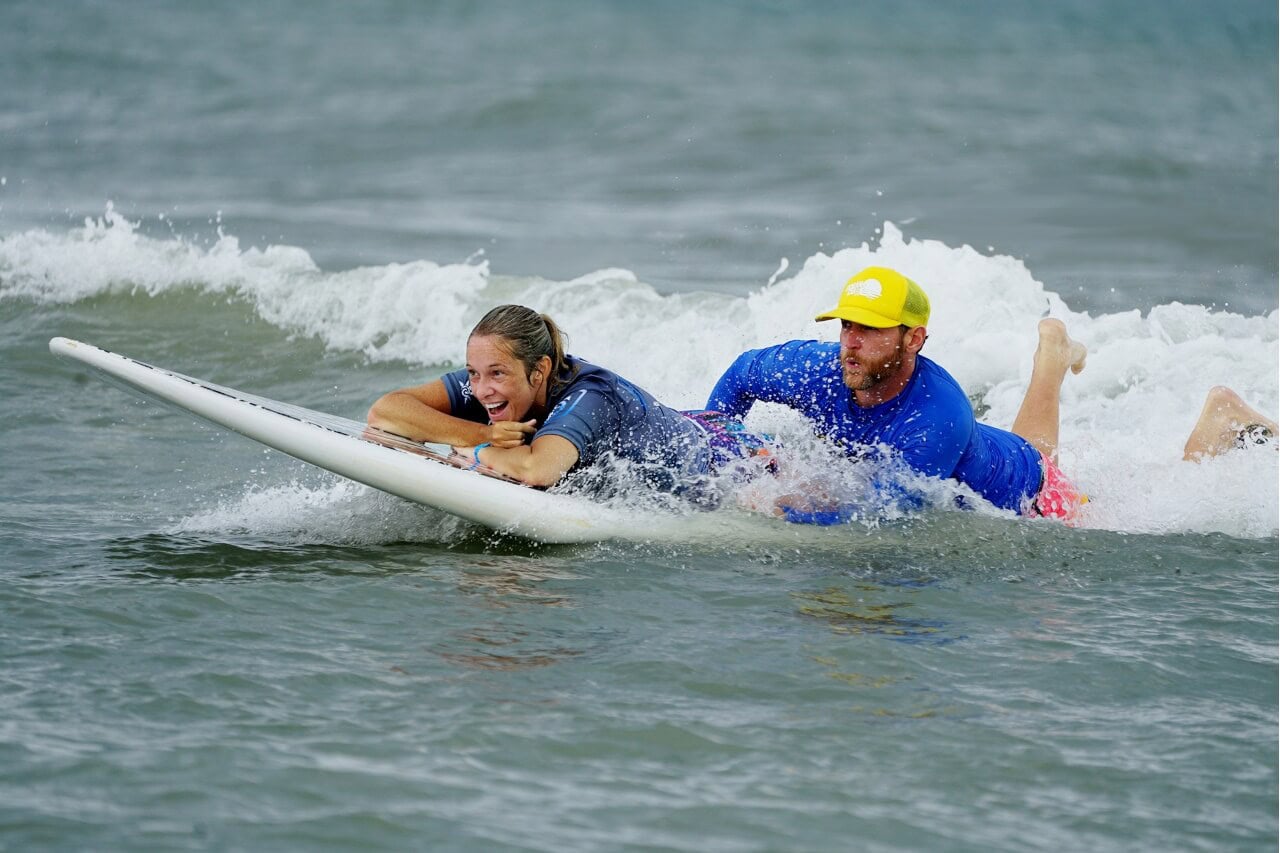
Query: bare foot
[(1224, 420), (1057, 349)]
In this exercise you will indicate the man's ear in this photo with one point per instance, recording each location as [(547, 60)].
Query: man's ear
[(915, 338)]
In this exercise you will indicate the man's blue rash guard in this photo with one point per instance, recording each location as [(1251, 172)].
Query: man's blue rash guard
[(599, 412), (930, 423)]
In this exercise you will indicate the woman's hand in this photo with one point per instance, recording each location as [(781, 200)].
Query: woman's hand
[(508, 434)]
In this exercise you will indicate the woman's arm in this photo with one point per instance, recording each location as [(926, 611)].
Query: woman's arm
[(421, 413), (541, 463)]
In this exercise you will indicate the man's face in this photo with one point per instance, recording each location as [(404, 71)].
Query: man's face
[(868, 355)]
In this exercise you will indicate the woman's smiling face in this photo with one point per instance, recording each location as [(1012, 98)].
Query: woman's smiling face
[(499, 381)]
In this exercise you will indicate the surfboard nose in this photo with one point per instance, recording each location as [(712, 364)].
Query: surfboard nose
[(60, 346)]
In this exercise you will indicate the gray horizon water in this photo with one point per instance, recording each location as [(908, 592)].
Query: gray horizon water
[(695, 146), (210, 646)]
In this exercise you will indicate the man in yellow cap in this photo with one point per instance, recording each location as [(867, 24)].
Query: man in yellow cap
[(874, 390)]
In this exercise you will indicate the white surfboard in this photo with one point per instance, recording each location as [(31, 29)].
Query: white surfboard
[(417, 472)]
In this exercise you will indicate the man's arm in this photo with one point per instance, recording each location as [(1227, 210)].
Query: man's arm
[(731, 393), (788, 373), (758, 374)]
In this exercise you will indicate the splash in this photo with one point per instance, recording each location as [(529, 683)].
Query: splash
[(337, 512), (389, 312)]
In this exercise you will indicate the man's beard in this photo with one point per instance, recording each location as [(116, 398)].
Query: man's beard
[(872, 372)]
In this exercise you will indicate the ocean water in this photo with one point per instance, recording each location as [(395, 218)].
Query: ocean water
[(207, 645)]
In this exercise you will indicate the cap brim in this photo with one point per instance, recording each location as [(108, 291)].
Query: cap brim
[(861, 316)]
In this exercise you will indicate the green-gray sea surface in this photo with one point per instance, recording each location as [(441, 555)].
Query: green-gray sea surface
[(206, 645)]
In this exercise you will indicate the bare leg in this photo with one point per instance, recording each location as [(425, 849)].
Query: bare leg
[(1037, 419), (1222, 421)]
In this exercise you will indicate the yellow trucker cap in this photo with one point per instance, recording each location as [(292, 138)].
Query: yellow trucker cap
[(880, 297)]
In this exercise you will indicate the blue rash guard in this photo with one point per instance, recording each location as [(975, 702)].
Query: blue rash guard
[(599, 412), (929, 425)]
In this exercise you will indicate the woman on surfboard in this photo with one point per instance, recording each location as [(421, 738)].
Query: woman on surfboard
[(526, 409)]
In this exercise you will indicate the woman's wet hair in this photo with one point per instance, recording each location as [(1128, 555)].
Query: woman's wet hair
[(528, 336)]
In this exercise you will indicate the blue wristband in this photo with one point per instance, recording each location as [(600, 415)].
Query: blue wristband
[(475, 454)]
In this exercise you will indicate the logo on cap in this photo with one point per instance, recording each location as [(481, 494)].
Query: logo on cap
[(869, 288)]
